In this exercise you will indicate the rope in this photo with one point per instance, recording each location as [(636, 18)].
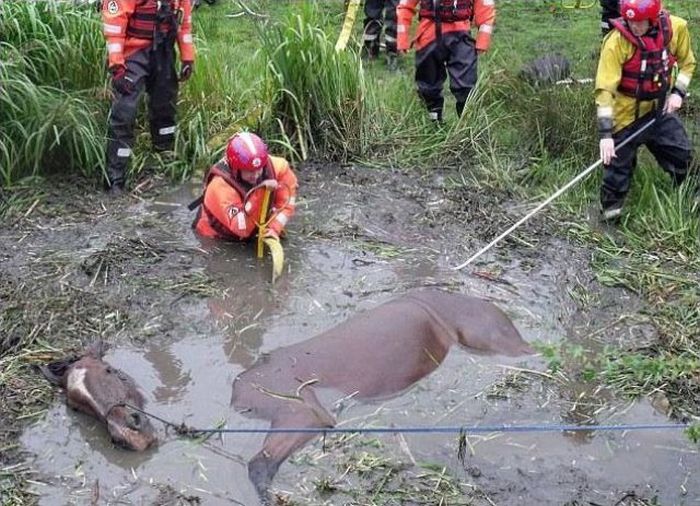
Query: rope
[(550, 199), (183, 430)]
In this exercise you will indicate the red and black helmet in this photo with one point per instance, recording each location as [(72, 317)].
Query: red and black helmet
[(639, 10), (247, 152)]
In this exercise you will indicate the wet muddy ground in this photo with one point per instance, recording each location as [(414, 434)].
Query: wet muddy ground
[(185, 316)]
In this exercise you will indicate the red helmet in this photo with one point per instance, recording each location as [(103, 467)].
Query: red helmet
[(246, 151), (639, 10)]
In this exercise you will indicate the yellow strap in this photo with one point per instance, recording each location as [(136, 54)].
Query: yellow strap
[(262, 221), (350, 15), (277, 254)]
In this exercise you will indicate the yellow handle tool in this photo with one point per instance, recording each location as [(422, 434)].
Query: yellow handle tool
[(350, 15), (276, 251)]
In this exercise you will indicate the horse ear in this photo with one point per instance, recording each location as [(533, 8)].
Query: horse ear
[(96, 349)]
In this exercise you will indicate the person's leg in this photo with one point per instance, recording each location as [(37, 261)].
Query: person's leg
[(390, 27), (122, 116), (162, 98), (671, 147), (430, 77), (609, 9), (372, 26), (617, 176), (461, 66)]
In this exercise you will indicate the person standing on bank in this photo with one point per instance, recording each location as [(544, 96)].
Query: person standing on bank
[(444, 45), (141, 37), (634, 85), (381, 14), (609, 9)]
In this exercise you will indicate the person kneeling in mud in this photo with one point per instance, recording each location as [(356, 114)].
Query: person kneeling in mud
[(635, 85), (234, 189)]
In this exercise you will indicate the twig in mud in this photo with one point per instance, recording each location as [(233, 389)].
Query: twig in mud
[(305, 384)]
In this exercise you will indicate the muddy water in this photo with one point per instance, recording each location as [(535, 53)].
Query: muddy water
[(341, 259)]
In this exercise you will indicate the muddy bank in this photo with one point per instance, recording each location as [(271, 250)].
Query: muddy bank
[(184, 317)]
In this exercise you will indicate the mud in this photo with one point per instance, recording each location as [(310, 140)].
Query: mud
[(184, 317)]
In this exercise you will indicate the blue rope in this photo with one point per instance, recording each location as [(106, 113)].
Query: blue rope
[(448, 429), (185, 430)]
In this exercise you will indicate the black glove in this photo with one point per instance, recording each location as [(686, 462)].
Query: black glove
[(186, 70), (120, 81)]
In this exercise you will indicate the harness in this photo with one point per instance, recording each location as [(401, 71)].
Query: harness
[(446, 11), (647, 74), (221, 169), (155, 20)]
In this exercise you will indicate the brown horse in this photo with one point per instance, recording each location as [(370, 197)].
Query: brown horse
[(96, 388), (374, 354)]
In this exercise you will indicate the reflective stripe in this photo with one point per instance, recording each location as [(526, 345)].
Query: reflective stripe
[(245, 137), (248, 207), (292, 200), (187, 38), (605, 112), (389, 38), (486, 28), (370, 36), (643, 66), (401, 29), (487, 3), (114, 47), (682, 81), (604, 24), (240, 218), (282, 218), (123, 152), (112, 29), (166, 130)]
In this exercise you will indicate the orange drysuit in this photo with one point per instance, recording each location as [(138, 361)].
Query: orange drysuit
[(129, 25), (483, 15), (226, 213)]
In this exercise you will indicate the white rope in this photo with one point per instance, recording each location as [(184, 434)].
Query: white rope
[(550, 199)]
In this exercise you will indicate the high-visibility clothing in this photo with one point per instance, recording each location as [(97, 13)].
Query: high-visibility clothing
[(131, 25), (616, 110), (230, 211), (483, 15), (647, 75)]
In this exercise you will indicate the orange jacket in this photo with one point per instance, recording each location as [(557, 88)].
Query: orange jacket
[(225, 204), (484, 18), (116, 16)]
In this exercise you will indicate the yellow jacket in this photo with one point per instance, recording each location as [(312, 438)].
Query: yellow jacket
[(615, 52)]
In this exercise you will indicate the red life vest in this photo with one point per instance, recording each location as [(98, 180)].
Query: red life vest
[(446, 11), (222, 170), (151, 16), (647, 75)]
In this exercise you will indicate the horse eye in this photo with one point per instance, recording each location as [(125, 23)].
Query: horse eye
[(133, 421)]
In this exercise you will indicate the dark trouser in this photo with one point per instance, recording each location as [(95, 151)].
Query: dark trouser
[(374, 22), (454, 54), (609, 9), (152, 70), (666, 139)]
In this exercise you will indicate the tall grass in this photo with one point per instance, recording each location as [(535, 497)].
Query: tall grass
[(316, 94), (49, 119)]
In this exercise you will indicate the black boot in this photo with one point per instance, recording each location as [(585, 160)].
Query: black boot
[(460, 108)]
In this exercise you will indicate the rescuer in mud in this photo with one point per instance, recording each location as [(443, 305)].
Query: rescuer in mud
[(635, 84), (234, 188), (141, 37), (444, 45), (381, 14)]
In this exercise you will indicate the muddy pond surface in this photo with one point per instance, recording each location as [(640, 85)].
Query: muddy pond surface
[(185, 316)]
